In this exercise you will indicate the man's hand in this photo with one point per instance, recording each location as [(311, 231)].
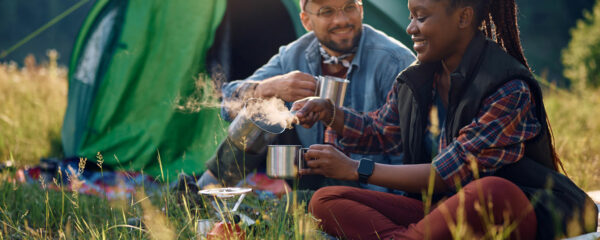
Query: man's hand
[(290, 87), (312, 109), (328, 161)]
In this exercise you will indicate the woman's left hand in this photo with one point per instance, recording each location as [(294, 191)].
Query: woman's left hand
[(328, 161)]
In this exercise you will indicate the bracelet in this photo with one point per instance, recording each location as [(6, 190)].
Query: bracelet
[(333, 115)]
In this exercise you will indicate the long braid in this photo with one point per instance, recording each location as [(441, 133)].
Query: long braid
[(498, 20), (504, 17), (486, 26)]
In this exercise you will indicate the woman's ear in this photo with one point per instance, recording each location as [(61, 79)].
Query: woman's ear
[(466, 17)]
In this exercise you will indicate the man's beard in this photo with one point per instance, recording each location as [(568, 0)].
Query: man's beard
[(335, 47)]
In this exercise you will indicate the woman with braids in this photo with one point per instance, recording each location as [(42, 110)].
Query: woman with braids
[(495, 168)]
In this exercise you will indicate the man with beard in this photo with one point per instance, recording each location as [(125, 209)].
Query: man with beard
[(337, 44)]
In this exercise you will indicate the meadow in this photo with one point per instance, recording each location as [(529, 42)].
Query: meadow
[(32, 105)]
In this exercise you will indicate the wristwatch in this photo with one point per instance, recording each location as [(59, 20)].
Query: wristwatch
[(365, 170)]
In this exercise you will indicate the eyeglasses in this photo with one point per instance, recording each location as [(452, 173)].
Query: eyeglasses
[(349, 9)]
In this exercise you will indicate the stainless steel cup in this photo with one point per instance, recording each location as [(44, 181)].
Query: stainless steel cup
[(333, 88), (250, 134), (284, 161)]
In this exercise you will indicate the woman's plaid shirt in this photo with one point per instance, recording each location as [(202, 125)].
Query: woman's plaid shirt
[(493, 139)]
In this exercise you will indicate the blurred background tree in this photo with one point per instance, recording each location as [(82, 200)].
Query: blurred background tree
[(544, 29), (581, 58)]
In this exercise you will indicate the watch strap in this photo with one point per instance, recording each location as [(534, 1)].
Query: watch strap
[(365, 170)]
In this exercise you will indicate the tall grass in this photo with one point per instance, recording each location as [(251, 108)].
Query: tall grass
[(31, 212), (32, 104), (575, 120)]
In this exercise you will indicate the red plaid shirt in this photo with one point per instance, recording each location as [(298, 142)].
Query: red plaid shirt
[(494, 138)]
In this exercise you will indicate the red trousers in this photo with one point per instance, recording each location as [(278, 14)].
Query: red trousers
[(482, 207)]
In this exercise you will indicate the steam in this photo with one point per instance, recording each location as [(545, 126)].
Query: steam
[(271, 112), (207, 94)]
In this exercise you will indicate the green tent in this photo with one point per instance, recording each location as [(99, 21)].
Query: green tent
[(133, 59)]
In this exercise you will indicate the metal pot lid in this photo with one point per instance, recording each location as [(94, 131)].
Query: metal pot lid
[(225, 192)]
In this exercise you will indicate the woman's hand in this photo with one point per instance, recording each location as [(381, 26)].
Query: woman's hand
[(312, 109), (328, 161)]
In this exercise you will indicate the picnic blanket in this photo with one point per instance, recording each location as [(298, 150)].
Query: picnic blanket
[(89, 178), (75, 175)]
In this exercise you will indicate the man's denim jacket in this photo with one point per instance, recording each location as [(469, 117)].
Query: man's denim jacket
[(378, 60)]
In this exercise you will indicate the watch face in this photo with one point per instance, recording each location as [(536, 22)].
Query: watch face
[(365, 167)]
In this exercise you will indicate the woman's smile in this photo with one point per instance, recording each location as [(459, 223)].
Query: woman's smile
[(419, 44)]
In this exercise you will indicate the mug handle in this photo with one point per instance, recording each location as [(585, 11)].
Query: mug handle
[(301, 161), (317, 90)]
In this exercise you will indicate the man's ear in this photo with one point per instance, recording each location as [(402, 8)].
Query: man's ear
[(362, 11), (305, 19), (466, 17)]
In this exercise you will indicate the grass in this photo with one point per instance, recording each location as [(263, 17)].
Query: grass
[(33, 100), (30, 212), (575, 120), (32, 104)]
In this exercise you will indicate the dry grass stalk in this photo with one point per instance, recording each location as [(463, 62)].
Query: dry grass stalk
[(158, 225)]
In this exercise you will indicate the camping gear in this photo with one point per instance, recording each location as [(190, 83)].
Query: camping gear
[(130, 64), (225, 192), (133, 60), (284, 161), (333, 88), (224, 229), (250, 132)]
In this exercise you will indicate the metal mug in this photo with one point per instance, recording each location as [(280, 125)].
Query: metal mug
[(284, 161), (333, 88), (250, 134)]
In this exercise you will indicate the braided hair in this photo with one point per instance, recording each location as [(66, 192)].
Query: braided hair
[(497, 19)]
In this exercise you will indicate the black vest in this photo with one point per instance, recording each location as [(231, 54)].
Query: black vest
[(485, 67)]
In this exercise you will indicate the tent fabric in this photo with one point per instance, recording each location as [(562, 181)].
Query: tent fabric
[(133, 59), (83, 77), (389, 16), (132, 121)]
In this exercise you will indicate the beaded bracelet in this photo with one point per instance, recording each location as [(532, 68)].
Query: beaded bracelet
[(332, 116)]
